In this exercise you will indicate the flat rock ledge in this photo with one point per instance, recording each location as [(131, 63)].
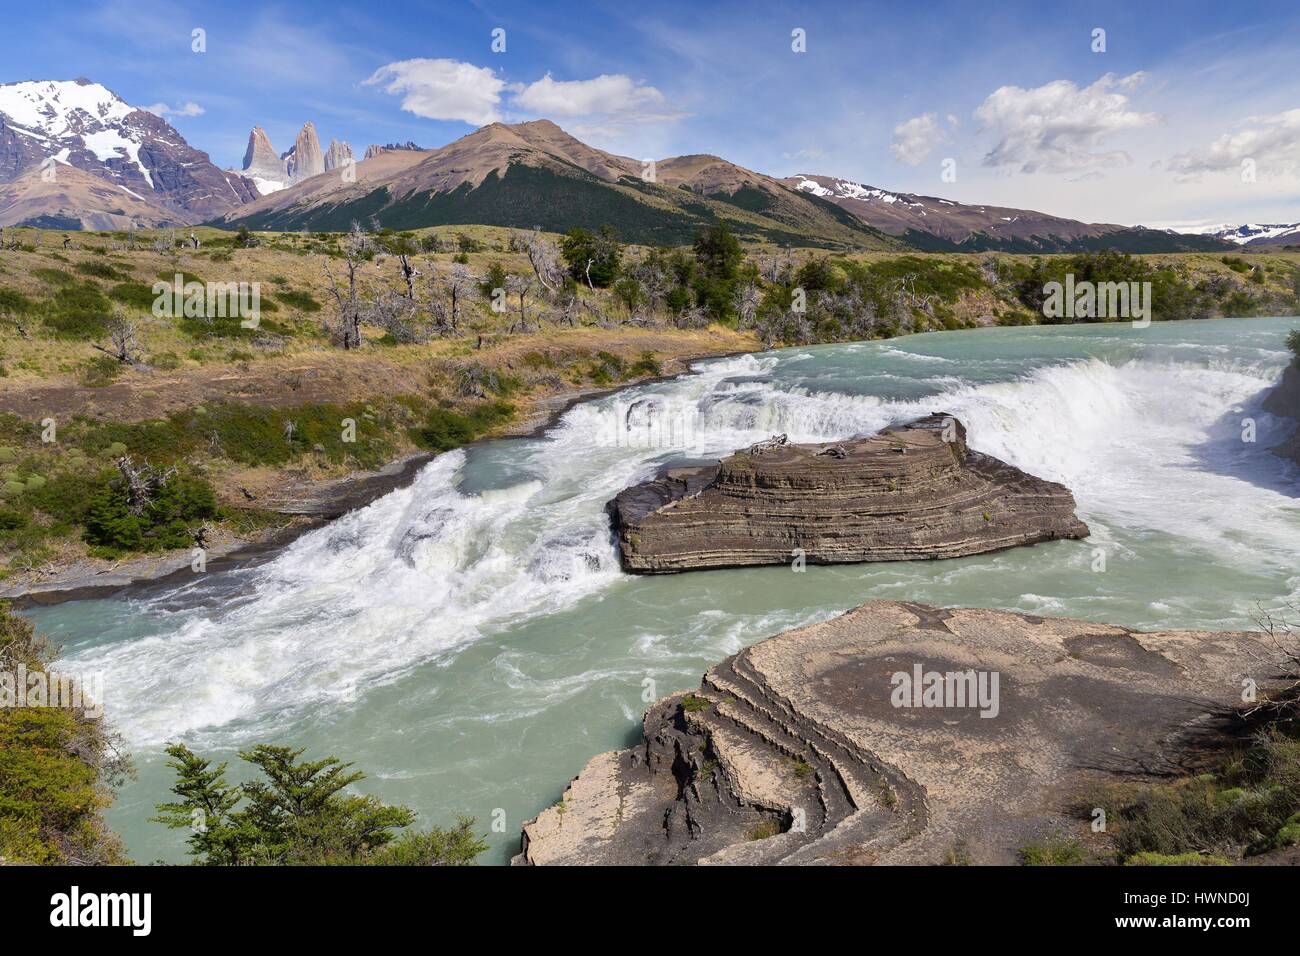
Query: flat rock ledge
[(909, 492), (797, 751)]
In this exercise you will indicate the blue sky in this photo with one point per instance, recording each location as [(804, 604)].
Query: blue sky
[(1152, 130)]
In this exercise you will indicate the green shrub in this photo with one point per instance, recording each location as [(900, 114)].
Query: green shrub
[(57, 770), (13, 301), (78, 312), (99, 270), (54, 277), (1180, 859), (444, 429), (181, 503), (647, 364), (1055, 851), (137, 295), (302, 301)]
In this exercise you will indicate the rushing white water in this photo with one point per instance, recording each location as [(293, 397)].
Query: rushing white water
[(368, 623)]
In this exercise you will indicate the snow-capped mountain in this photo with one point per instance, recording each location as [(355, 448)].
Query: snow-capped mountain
[(933, 223), (53, 123), (1251, 234)]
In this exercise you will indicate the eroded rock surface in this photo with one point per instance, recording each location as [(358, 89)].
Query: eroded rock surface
[(794, 751), (915, 491), (1284, 400)]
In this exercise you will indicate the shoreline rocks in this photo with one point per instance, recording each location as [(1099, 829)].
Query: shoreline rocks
[(1284, 401), (909, 492), (808, 747)]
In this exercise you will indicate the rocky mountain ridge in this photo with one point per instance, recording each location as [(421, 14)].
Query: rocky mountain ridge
[(942, 225), (1253, 234), (301, 161), (54, 125)]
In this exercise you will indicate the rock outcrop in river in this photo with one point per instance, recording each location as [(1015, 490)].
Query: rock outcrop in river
[(1284, 401), (893, 733), (914, 491)]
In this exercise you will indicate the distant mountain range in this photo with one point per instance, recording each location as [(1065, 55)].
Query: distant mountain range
[(1252, 234), (114, 163), (942, 225)]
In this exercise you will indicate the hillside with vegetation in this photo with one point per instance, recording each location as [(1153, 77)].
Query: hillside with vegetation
[(175, 432)]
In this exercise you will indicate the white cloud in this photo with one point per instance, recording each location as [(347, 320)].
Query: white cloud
[(1059, 127), (443, 89), (162, 109), (604, 94), (809, 152), (1271, 141), (915, 139)]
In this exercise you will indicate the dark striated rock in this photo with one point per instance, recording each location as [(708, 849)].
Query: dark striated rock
[(1284, 401), (796, 750), (915, 491)]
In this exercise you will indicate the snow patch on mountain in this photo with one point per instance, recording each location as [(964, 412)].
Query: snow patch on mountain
[(847, 189), (1244, 234), (60, 107)]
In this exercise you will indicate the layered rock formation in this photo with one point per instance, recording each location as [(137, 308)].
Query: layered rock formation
[(915, 491), (813, 747)]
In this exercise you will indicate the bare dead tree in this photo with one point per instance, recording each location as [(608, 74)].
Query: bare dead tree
[(1280, 633), (747, 299), (473, 380), (519, 285), (142, 483), (126, 349), (543, 256), (13, 320), (460, 284), (409, 273), (345, 327)]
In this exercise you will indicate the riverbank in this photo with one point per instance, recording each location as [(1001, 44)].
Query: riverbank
[(290, 500)]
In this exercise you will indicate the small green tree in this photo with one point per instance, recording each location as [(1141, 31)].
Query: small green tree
[(718, 255), (205, 806), (592, 257), (495, 279), (718, 252), (299, 814)]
